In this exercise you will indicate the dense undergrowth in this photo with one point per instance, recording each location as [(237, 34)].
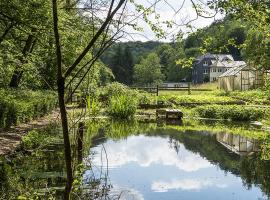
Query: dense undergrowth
[(24, 105), (119, 101), (234, 112)]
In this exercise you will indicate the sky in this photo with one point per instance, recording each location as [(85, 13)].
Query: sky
[(178, 11)]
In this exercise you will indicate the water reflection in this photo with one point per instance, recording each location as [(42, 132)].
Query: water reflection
[(238, 144), (148, 161), (166, 163)]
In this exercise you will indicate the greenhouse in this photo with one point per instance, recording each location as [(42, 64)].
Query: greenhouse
[(241, 78)]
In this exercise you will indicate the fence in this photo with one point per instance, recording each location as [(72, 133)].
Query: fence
[(157, 88)]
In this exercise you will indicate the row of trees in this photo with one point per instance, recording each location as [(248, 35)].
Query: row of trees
[(171, 61)]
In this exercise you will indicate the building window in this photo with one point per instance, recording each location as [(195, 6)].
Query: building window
[(219, 70), (205, 63), (205, 71), (214, 78), (214, 70)]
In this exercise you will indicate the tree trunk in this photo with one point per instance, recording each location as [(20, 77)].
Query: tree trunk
[(61, 99), (64, 120), (18, 72), (80, 142), (6, 32)]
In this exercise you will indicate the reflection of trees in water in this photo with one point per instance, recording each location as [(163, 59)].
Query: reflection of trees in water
[(28, 173), (255, 171), (174, 144), (252, 169)]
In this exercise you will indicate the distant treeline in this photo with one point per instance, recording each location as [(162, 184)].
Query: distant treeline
[(129, 60)]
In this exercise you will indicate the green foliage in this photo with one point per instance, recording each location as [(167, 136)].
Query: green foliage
[(252, 96), (200, 98), (93, 105), (234, 113), (224, 36), (148, 71), (17, 107), (33, 139), (122, 106), (115, 88)]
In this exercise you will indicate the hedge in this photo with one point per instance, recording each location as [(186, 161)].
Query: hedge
[(234, 113), (18, 106)]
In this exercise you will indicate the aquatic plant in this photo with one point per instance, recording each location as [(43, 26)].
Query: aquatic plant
[(122, 106), (93, 105)]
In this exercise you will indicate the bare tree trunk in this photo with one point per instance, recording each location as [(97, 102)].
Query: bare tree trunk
[(80, 142), (6, 32), (17, 74), (61, 98), (64, 120)]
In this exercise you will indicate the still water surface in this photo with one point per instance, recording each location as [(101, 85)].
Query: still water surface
[(146, 161), (177, 165)]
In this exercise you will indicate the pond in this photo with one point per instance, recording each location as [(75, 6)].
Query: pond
[(149, 161)]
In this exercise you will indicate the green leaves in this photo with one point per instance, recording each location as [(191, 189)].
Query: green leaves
[(148, 71)]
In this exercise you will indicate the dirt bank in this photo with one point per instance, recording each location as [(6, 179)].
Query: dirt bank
[(11, 139)]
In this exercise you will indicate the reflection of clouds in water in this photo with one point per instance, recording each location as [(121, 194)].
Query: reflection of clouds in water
[(185, 184), (149, 150), (126, 194)]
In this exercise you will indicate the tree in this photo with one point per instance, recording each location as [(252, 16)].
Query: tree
[(62, 76), (256, 15), (148, 71)]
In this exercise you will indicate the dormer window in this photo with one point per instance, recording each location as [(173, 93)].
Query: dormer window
[(205, 63)]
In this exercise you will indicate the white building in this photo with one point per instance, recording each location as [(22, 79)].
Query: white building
[(210, 66)]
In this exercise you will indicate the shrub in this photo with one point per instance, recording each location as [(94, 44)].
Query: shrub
[(234, 113), (115, 88), (17, 106), (36, 138), (33, 139), (122, 106)]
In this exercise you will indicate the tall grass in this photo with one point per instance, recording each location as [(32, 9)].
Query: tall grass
[(93, 105), (122, 106)]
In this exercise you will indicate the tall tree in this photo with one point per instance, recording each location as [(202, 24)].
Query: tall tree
[(62, 75), (148, 71)]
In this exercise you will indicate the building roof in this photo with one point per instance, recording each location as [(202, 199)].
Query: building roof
[(227, 64), (219, 57), (233, 71)]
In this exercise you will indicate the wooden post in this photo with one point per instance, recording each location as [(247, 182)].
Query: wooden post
[(157, 90), (80, 142), (189, 92)]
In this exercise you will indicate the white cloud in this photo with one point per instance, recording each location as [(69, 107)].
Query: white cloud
[(146, 151), (126, 193), (185, 184), (179, 11)]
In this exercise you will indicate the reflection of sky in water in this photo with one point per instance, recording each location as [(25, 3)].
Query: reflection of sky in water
[(148, 168)]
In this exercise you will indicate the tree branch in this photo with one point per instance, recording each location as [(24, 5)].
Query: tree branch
[(94, 39)]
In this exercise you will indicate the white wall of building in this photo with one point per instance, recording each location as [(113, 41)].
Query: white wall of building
[(215, 72)]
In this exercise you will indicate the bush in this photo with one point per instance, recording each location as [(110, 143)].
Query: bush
[(234, 113), (17, 106), (122, 106), (115, 88), (33, 139)]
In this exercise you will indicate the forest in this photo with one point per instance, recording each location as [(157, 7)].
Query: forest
[(74, 92)]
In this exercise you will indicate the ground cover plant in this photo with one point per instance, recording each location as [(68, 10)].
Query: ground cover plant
[(23, 106), (251, 96), (232, 112)]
